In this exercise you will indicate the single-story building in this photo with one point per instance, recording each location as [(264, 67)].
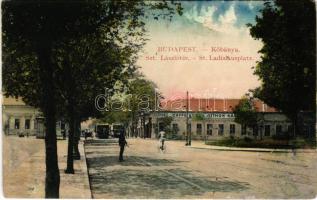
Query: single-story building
[(216, 120), (21, 119)]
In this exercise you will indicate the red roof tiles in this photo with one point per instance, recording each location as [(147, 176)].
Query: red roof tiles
[(210, 105)]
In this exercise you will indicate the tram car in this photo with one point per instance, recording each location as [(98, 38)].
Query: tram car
[(102, 131)]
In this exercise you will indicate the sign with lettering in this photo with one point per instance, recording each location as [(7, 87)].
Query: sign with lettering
[(190, 115)]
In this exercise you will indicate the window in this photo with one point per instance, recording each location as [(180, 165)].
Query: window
[(27, 124), (278, 129), (243, 129), (267, 130), (209, 129), (199, 129), (220, 129), (255, 130), (232, 129), (175, 128), (17, 123)]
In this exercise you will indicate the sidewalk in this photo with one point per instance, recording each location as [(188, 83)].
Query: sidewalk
[(202, 145), (74, 185), (24, 169)]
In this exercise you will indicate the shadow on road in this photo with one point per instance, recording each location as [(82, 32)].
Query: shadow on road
[(136, 178), (112, 160), (156, 184)]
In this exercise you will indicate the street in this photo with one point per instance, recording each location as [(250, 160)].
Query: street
[(185, 172)]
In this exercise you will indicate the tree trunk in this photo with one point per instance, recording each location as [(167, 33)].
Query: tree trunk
[(71, 113), (72, 126), (295, 125), (52, 179), (48, 106), (76, 155)]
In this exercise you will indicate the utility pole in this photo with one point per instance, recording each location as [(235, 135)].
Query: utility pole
[(190, 131), (188, 142)]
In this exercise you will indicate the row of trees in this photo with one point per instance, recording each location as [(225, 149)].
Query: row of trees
[(58, 56)]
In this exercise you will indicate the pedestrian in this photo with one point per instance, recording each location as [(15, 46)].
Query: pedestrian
[(161, 139), (122, 143)]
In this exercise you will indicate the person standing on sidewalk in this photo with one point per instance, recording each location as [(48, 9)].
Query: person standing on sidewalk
[(122, 143)]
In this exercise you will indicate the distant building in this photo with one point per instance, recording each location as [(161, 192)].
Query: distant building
[(21, 119), (218, 120)]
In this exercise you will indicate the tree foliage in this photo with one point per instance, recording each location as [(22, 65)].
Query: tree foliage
[(166, 121), (287, 68), (137, 99), (112, 117), (54, 50), (74, 32), (199, 117), (245, 112), (141, 95)]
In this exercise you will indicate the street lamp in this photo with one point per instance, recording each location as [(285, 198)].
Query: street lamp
[(188, 133), (186, 137)]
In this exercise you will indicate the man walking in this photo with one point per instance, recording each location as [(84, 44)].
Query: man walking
[(122, 143)]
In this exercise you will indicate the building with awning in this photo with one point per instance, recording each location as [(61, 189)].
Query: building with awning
[(217, 120)]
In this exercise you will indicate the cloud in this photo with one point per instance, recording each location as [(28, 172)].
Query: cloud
[(220, 24), (228, 17), (201, 15), (225, 23)]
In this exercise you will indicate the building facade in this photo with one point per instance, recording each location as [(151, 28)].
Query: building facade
[(21, 119), (217, 125), (216, 120)]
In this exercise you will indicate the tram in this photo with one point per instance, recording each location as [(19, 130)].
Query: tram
[(102, 131)]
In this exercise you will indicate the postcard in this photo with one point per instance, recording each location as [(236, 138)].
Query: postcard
[(142, 99)]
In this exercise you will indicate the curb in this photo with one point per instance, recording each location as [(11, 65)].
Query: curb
[(85, 161), (259, 150)]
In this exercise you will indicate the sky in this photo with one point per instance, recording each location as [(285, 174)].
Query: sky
[(211, 28)]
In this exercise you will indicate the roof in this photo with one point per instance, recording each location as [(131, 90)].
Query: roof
[(11, 101), (210, 105)]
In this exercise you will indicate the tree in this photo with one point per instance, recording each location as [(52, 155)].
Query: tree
[(118, 111), (119, 45), (140, 100), (30, 32), (245, 112), (116, 117), (35, 31), (131, 101), (166, 121), (287, 68), (78, 84)]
